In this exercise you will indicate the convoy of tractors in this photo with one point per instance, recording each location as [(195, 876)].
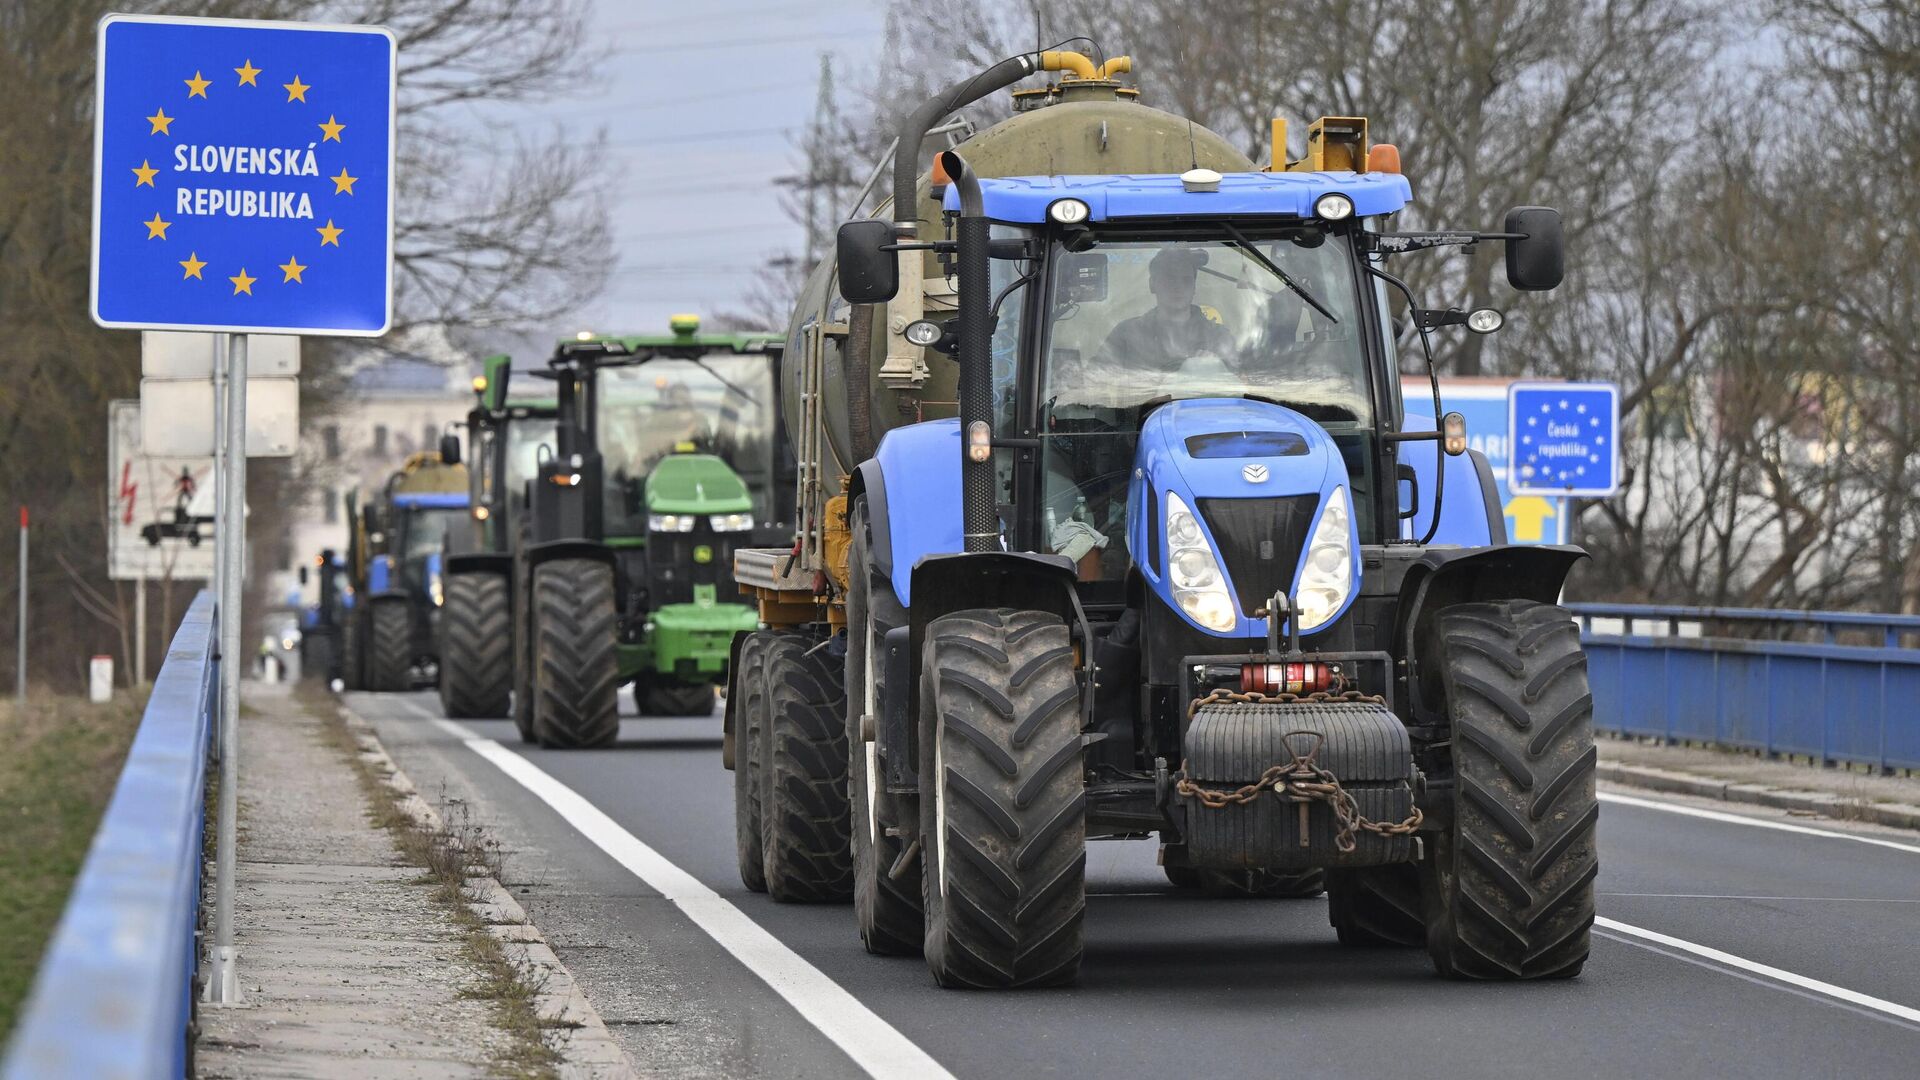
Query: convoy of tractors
[(1078, 501)]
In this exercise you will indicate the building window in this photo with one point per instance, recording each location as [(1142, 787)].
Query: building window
[(331, 436), (429, 437), (380, 440), (331, 501)]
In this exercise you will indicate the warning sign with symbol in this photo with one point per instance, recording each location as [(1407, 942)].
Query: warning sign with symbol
[(160, 510)]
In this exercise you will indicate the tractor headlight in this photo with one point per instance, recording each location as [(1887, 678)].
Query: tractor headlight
[(673, 523), (731, 522), (1198, 586), (1326, 576), (436, 589), (1333, 206)]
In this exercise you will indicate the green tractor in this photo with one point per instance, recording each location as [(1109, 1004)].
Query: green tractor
[(504, 441), (390, 641), (665, 461)]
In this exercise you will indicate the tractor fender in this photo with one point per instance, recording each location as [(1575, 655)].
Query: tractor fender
[(870, 480), (926, 459), (1444, 577), (943, 584), (479, 562), (550, 550)]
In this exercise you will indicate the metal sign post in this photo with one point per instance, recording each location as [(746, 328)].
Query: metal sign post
[(243, 183)]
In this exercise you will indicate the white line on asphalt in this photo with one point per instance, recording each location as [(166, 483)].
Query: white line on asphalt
[(1838, 993), (873, 1044), (1758, 823), (1726, 896)]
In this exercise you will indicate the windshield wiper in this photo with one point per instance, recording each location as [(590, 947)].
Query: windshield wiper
[(751, 400), (1254, 253)]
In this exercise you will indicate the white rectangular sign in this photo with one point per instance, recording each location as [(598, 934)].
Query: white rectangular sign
[(172, 354), (161, 508), (177, 416)]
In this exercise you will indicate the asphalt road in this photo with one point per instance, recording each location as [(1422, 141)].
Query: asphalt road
[(1724, 949)]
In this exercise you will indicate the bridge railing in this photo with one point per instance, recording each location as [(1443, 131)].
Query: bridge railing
[(1831, 686), (114, 991)]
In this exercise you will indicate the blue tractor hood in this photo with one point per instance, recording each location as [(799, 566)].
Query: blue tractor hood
[(1258, 477)]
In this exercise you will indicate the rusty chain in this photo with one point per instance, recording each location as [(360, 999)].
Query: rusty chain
[(1302, 780)]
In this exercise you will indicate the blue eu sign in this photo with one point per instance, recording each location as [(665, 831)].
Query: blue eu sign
[(243, 176), (1565, 439)]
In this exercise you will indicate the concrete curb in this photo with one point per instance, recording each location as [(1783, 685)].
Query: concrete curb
[(588, 1050), (1818, 803)]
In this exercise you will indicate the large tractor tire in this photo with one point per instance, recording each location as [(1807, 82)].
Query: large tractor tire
[(658, 696), (886, 879), (1377, 907), (1003, 801), (1512, 890), (576, 672), (476, 642), (803, 802), (749, 697), (389, 658)]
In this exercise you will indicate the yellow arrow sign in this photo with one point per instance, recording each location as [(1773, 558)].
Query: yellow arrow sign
[(1528, 513)]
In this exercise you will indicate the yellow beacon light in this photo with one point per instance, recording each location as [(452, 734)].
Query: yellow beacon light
[(683, 324), (479, 384)]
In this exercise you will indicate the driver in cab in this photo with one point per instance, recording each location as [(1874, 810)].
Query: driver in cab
[(1175, 329)]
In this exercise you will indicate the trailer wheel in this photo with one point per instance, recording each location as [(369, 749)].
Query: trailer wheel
[(1377, 907), (887, 908), (660, 696), (803, 803), (576, 674), (749, 718), (390, 650), (1003, 801), (1512, 891), (476, 630)]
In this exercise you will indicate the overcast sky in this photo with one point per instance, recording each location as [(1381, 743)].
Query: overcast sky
[(701, 103)]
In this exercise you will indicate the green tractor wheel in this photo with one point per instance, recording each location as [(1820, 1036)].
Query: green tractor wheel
[(660, 696), (476, 633)]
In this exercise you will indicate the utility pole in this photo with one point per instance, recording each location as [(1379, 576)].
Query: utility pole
[(20, 661)]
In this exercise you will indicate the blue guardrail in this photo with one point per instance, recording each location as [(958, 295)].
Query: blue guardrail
[(115, 988), (1746, 683)]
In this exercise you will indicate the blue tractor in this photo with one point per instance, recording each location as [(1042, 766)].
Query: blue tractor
[(1186, 565)]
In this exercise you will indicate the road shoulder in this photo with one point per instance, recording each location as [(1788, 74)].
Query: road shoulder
[(1802, 790)]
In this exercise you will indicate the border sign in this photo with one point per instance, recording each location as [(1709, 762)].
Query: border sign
[(243, 176), (161, 508), (1565, 439), (1531, 519)]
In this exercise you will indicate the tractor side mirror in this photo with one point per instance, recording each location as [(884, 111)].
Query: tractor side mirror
[(450, 448), (1536, 262), (1409, 492), (869, 273), (303, 575)]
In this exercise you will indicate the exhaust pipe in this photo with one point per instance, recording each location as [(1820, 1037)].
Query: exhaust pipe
[(981, 513)]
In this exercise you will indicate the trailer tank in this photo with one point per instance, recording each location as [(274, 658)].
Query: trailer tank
[(1080, 125)]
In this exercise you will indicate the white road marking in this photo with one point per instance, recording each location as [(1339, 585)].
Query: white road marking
[(873, 1044), (1758, 823), (1827, 989), (1725, 896)]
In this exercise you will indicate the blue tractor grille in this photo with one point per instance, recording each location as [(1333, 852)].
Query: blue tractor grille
[(1260, 542)]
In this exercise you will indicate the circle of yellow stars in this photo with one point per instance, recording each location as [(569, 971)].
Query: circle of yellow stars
[(161, 124)]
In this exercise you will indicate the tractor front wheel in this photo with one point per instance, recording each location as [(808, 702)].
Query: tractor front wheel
[(1511, 895), (476, 630), (659, 696), (576, 669), (1002, 801), (390, 652), (749, 702)]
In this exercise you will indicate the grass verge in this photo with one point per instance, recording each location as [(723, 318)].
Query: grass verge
[(62, 760), (445, 856)]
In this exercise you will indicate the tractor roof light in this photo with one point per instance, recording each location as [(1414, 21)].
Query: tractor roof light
[(479, 384), (1485, 320), (1068, 212), (923, 332), (1333, 206)]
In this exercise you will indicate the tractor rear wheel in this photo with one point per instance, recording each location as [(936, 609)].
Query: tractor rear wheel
[(660, 696), (576, 674), (1003, 801), (886, 907), (390, 650), (749, 700), (521, 634), (476, 634), (803, 801), (1512, 889), (1377, 906)]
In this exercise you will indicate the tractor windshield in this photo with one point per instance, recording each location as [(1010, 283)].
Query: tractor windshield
[(524, 438), (1138, 322), (426, 527), (721, 404)]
